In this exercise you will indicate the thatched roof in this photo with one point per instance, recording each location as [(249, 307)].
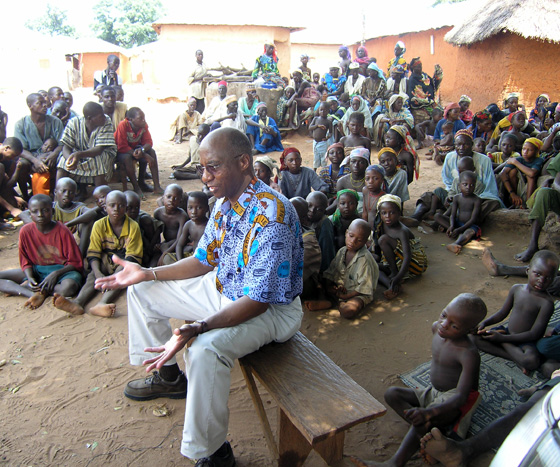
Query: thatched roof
[(531, 19), (226, 18)]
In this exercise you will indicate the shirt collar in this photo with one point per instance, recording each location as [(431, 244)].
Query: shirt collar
[(238, 208)]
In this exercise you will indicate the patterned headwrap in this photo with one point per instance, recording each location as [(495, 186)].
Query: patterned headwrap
[(483, 115), (335, 145), (260, 105), (449, 107), (285, 153), (229, 99), (250, 87), (386, 150), (408, 146), (546, 96), (354, 66), (373, 66), (274, 56), (337, 214), (465, 98), (379, 169), (397, 69), (222, 83), (348, 55), (415, 62), (464, 132), (535, 142), (390, 199), (358, 152), (401, 45)]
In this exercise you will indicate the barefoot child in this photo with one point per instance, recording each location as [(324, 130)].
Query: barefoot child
[(402, 254), (173, 218), (465, 210), (298, 180), (398, 138), (134, 144), (65, 209), (190, 169), (192, 231), (351, 278), (453, 396), (10, 168), (425, 130), (397, 179), (520, 174), (331, 173), (446, 144), (531, 307), (114, 235), (345, 214), (376, 187), (508, 142), (479, 145), (49, 258), (322, 129), (324, 230)]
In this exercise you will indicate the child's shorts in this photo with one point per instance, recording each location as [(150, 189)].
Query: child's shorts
[(41, 272), (429, 397), (319, 152), (476, 228)]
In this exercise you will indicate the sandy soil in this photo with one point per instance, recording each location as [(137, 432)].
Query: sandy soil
[(61, 393)]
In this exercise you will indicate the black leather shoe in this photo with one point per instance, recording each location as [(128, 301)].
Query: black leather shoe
[(223, 457), (154, 386)]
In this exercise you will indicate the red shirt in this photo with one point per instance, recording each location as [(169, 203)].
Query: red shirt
[(127, 139), (56, 247)]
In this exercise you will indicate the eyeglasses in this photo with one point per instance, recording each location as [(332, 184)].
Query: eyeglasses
[(212, 169)]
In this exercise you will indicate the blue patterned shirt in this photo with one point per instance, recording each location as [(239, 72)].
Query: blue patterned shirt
[(256, 245)]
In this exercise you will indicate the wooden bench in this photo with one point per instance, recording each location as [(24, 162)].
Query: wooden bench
[(317, 401)]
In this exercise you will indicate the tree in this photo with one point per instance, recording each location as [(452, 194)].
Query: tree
[(53, 22), (127, 23)]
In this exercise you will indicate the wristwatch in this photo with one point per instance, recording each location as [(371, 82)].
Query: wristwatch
[(203, 325)]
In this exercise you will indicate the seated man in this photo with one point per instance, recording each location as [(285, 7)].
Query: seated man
[(89, 147), (108, 77), (249, 300), (33, 130), (115, 110)]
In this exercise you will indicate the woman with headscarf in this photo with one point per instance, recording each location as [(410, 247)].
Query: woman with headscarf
[(399, 59), (374, 85), (263, 132), (266, 67), (357, 104), (451, 113), (466, 114), (396, 83), (537, 121), (355, 81), (248, 105), (396, 114), (422, 90), (398, 138), (264, 167), (362, 59), (482, 125), (516, 123)]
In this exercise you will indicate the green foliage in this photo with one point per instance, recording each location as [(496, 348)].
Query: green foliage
[(52, 22), (127, 23)]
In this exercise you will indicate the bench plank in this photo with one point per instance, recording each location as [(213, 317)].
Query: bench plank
[(305, 382)]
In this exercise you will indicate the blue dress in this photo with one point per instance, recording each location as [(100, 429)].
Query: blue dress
[(274, 144)]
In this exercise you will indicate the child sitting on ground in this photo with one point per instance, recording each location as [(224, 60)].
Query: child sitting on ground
[(397, 178), (520, 174), (49, 258), (150, 228), (452, 397), (376, 187), (351, 278), (10, 167), (134, 144), (358, 160), (173, 218), (116, 234), (192, 230), (398, 138), (311, 249), (322, 129), (479, 145), (531, 307), (425, 130), (355, 139), (324, 230), (190, 169), (402, 254), (462, 222), (264, 167), (331, 173), (346, 212), (41, 182), (186, 124), (508, 142), (298, 180), (65, 209), (446, 144)]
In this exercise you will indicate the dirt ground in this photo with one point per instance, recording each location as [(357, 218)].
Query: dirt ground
[(61, 390)]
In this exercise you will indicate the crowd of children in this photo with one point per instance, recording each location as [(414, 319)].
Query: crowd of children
[(351, 209)]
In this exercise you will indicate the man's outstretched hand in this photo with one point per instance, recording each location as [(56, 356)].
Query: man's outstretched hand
[(131, 273), (167, 351)]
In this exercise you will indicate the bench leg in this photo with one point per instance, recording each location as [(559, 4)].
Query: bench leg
[(293, 447), (257, 401), (331, 449)]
